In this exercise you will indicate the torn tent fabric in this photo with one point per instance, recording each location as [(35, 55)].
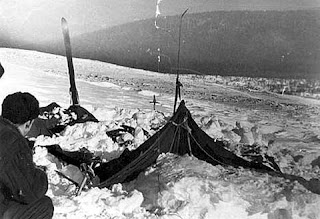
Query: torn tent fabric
[(181, 135)]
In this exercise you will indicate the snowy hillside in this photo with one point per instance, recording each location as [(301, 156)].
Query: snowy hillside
[(285, 127)]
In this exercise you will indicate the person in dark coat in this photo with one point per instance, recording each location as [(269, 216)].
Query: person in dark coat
[(22, 185)]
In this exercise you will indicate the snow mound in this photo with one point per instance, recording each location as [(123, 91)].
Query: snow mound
[(186, 187)]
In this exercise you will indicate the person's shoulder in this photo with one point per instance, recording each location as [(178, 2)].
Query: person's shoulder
[(9, 135), (12, 146)]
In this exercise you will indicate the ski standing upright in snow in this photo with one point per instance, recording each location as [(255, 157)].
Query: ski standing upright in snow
[(67, 43)]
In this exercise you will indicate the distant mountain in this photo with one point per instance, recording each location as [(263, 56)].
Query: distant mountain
[(247, 43), (244, 43), (30, 21)]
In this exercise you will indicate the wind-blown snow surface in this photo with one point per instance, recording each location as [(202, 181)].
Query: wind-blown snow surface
[(177, 187)]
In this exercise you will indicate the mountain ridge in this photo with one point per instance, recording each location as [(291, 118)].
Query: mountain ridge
[(32, 21), (242, 43)]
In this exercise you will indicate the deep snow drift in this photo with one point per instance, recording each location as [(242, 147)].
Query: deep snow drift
[(177, 187)]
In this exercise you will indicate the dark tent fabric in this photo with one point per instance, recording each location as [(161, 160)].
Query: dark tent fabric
[(181, 135), (83, 156), (51, 125)]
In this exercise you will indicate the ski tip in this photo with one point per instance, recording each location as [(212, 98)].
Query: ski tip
[(184, 12), (63, 20)]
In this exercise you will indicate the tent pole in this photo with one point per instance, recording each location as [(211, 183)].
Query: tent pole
[(178, 84)]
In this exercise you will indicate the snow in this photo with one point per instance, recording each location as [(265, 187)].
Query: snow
[(148, 93), (175, 187), (105, 84)]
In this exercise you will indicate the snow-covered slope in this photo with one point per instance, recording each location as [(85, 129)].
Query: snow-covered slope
[(177, 187), (54, 88)]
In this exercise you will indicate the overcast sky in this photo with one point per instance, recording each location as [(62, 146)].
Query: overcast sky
[(34, 19)]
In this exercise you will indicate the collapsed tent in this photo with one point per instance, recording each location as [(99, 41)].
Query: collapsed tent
[(181, 135)]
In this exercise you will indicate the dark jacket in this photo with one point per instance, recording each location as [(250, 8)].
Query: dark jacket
[(20, 180)]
